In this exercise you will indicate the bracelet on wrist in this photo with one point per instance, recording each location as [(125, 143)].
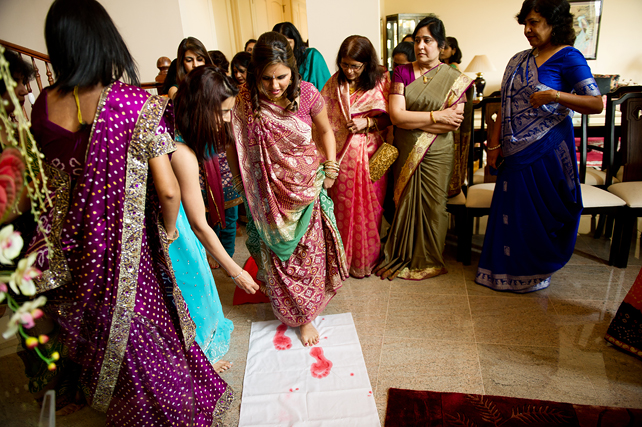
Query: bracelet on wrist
[(432, 117), (237, 276), (557, 96), (497, 147)]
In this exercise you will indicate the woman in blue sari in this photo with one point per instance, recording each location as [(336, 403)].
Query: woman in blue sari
[(536, 206), (203, 103)]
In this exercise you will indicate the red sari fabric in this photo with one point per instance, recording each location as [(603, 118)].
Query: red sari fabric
[(358, 201)]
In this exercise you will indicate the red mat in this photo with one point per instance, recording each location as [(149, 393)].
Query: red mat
[(435, 409), (240, 296)]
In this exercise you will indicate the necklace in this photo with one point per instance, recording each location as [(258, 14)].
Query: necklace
[(277, 99), (423, 74)]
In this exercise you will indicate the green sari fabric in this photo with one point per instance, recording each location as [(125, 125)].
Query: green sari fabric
[(314, 69), (415, 243)]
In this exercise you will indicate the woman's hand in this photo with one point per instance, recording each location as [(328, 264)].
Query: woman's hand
[(328, 183), (492, 156), (544, 97), (449, 116), (245, 282), (357, 124)]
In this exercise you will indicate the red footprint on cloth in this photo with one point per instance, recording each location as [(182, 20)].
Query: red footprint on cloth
[(321, 368), (281, 342)]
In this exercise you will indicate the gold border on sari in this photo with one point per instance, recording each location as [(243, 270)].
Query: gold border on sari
[(425, 141), (133, 225)]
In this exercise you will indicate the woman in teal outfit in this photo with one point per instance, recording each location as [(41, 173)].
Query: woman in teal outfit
[(203, 103), (312, 66)]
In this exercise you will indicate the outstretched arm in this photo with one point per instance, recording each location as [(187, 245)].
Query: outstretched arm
[(186, 168), (168, 191)]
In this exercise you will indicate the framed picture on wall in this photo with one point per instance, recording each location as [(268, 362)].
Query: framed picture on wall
[(586, 22)]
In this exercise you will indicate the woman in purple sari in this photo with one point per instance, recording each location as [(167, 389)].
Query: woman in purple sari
[(536, 206), (115, 201)]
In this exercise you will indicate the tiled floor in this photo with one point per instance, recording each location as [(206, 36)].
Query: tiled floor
[(448, 334)]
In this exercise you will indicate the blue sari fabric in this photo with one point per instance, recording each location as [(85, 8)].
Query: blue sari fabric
[(195, 280), (537, 204)]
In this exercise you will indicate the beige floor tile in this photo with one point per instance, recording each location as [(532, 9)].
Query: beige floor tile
[(452, 283), (582, 324), (514, 321), (548, 373), (435, 317), (617, 378), (587, 283), (422, 364)]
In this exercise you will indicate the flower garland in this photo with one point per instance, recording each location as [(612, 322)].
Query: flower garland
[(20, 161)]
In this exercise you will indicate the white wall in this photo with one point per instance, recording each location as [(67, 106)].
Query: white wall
[(151, 28), (332, 21), (490, 28)]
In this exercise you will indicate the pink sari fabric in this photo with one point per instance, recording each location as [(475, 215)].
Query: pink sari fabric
[(358, 201), (282, 179)]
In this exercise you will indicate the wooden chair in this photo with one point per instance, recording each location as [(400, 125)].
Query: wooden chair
[(629, 99), (479, 195)]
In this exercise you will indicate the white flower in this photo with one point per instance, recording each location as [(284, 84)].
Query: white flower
[(10, 244), (23, 276), (25, 315)]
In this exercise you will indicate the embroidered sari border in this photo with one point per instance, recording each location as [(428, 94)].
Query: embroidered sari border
[(132, 234)]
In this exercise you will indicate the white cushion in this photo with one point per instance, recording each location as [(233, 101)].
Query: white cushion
[(598, 177), (630, 192), (459, 199), (593, 197), (480, 195)]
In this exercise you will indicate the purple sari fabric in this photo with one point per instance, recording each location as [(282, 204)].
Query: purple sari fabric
[(105, 268)]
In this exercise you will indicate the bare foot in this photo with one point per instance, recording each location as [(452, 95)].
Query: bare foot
[(69, 409), (309, 335), (222, 365)]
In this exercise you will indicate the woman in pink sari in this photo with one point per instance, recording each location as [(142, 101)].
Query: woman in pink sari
[(292, 233), (357, 101)]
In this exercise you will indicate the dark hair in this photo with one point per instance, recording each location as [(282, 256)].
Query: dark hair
[(241, 59), (455, 57), (557, 14), (436, 28), (85, 47), (406, 48), (21, 70), (270, 49), (218, 59), (289, 30), (170, 78), (197, 108), (406, 36), (361, 50), (248, 42), (193, 44)]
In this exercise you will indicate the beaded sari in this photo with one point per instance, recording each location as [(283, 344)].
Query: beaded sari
[(104, 273), (300, 248)]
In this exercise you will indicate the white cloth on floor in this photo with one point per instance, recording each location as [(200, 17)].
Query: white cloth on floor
[(324, 385)]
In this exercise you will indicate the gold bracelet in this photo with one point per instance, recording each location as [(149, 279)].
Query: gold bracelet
[(432, 117), (497, 147), (557, 96)]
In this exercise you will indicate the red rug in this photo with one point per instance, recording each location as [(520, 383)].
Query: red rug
[(430, 408), (240, 296)]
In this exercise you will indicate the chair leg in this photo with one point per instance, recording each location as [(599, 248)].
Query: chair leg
[(466, 240), (616, 240), (622, 257), (600, 226)]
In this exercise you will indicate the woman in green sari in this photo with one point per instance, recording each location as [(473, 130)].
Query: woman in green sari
[(426, 106)]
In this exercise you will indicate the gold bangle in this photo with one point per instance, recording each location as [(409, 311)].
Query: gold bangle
[(497, 147), (557, 96), (432, 117)]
